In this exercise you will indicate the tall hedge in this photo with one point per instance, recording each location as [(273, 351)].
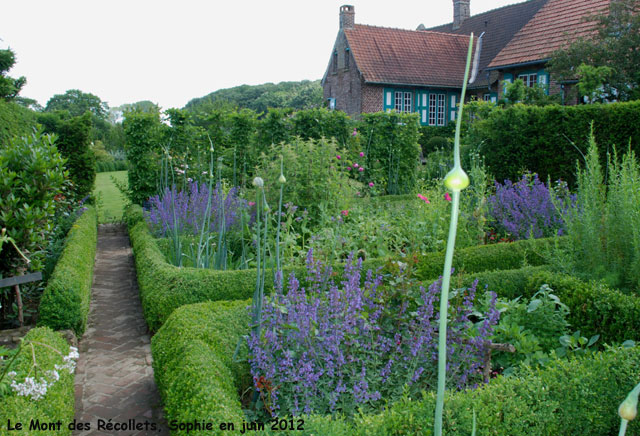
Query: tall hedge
[(549, 140), (143, 132), (15, 120)]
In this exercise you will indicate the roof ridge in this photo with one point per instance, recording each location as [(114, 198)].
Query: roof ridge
[(490, 11), (418, 32)]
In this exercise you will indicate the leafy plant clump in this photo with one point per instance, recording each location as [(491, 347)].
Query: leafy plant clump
[(339, 348)]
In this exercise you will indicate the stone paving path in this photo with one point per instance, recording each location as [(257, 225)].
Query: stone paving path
[(114, 377)]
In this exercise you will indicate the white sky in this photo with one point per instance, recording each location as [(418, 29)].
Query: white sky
[(169, 52)]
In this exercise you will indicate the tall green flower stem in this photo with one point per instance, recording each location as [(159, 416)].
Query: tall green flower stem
[(258, 294), (628, 410), (282, 180), (455, 181)]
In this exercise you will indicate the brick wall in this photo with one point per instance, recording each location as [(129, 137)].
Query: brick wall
[(343, 83), (372, 98)]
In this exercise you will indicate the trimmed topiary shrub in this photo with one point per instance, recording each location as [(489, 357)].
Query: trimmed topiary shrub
[(65, 301)]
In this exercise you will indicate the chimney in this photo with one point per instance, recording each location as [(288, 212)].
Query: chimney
[(347, 16), (460, 12)]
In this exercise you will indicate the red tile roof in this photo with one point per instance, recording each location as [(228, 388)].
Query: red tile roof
[(408, 57), (556, 23)]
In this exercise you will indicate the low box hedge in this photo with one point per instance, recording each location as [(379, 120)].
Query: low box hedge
[(199, 381), (65, 300), (193, 362), (57, 404), (595, 308), (505, 255)]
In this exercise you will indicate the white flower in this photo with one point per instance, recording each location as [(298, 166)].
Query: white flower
[(31, 388), (258, 182), (12, 374)]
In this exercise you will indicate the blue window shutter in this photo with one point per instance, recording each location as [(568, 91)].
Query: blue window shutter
[(506, 78), (388, 99), (452, 102), (543, 79)]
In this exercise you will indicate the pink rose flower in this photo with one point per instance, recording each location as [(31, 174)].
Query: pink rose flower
[(371, 184), (362, 154), (447, 196), (338, 157), (348, 168), (361, 169), (344, 212)]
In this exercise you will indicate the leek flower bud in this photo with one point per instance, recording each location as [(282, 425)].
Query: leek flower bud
[(258, 182), (629, 408), (282, 179), (456, 179)]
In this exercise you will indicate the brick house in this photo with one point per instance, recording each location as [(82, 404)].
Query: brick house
[(375, 69)]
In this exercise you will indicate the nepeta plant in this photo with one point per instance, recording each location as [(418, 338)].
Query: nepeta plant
[(328, 348), (190, 206), (525, 209)]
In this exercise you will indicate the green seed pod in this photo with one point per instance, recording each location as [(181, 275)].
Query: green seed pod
[(456, 179), (282, 179), (629, 408)]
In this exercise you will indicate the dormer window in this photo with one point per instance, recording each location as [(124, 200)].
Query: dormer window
[(346, 58), (335, 61)]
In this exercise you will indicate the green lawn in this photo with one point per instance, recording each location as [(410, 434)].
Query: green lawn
[(111, 201)]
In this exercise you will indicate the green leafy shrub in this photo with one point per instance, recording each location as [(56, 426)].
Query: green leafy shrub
[(31, 175), (58, 403), (65, 301), (548, 140), (74, 143), (315, 178)]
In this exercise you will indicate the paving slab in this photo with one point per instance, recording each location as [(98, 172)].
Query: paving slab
[(114, 378)]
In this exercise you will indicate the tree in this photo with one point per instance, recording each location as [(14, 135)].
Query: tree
[(9, 87), (616, 45), (77, 103), (518, 92)]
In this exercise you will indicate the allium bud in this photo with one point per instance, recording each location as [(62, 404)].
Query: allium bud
[(456, 180), (282, 179), (629, 408), (258, 182)]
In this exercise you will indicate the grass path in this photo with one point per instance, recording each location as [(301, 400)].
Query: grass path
[(111, 200)]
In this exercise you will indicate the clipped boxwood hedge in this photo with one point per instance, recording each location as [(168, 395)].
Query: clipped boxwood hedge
[(65, 301), (58, 403), (193, 362), (195, 372), (505, 255)]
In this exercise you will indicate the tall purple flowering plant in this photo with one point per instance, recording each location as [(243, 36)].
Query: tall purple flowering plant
[(526, 208), (190, 207), (333, 348)]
